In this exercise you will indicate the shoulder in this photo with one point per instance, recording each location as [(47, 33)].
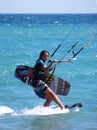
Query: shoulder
[(40, 61)]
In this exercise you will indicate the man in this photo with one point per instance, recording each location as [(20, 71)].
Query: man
[(39, 81)]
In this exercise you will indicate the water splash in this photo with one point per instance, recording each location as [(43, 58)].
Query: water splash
[(38, 110), (5, 110)]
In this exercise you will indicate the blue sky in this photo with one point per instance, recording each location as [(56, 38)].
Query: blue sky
[(48, 6)]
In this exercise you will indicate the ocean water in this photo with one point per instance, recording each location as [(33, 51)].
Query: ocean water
[(22, 37)]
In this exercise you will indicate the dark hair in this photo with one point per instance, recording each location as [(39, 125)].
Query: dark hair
[(42, 53)]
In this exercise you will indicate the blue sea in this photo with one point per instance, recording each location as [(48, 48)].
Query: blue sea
[(22, 37)]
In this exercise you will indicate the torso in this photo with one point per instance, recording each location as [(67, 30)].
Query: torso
[(39, 74)]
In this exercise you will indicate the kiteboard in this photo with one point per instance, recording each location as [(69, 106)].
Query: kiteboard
[(76, 105), (52, 110), (58, 85), (41, 110)]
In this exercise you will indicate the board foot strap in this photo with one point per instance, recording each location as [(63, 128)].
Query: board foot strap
[(74, 105)]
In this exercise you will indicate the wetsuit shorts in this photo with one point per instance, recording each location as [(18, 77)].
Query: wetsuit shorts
[(39, 88)]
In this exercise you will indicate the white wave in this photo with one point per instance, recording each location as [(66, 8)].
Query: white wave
[(5, 110), (40, 110)]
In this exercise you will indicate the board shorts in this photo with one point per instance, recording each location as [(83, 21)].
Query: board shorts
[(39, 88)]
